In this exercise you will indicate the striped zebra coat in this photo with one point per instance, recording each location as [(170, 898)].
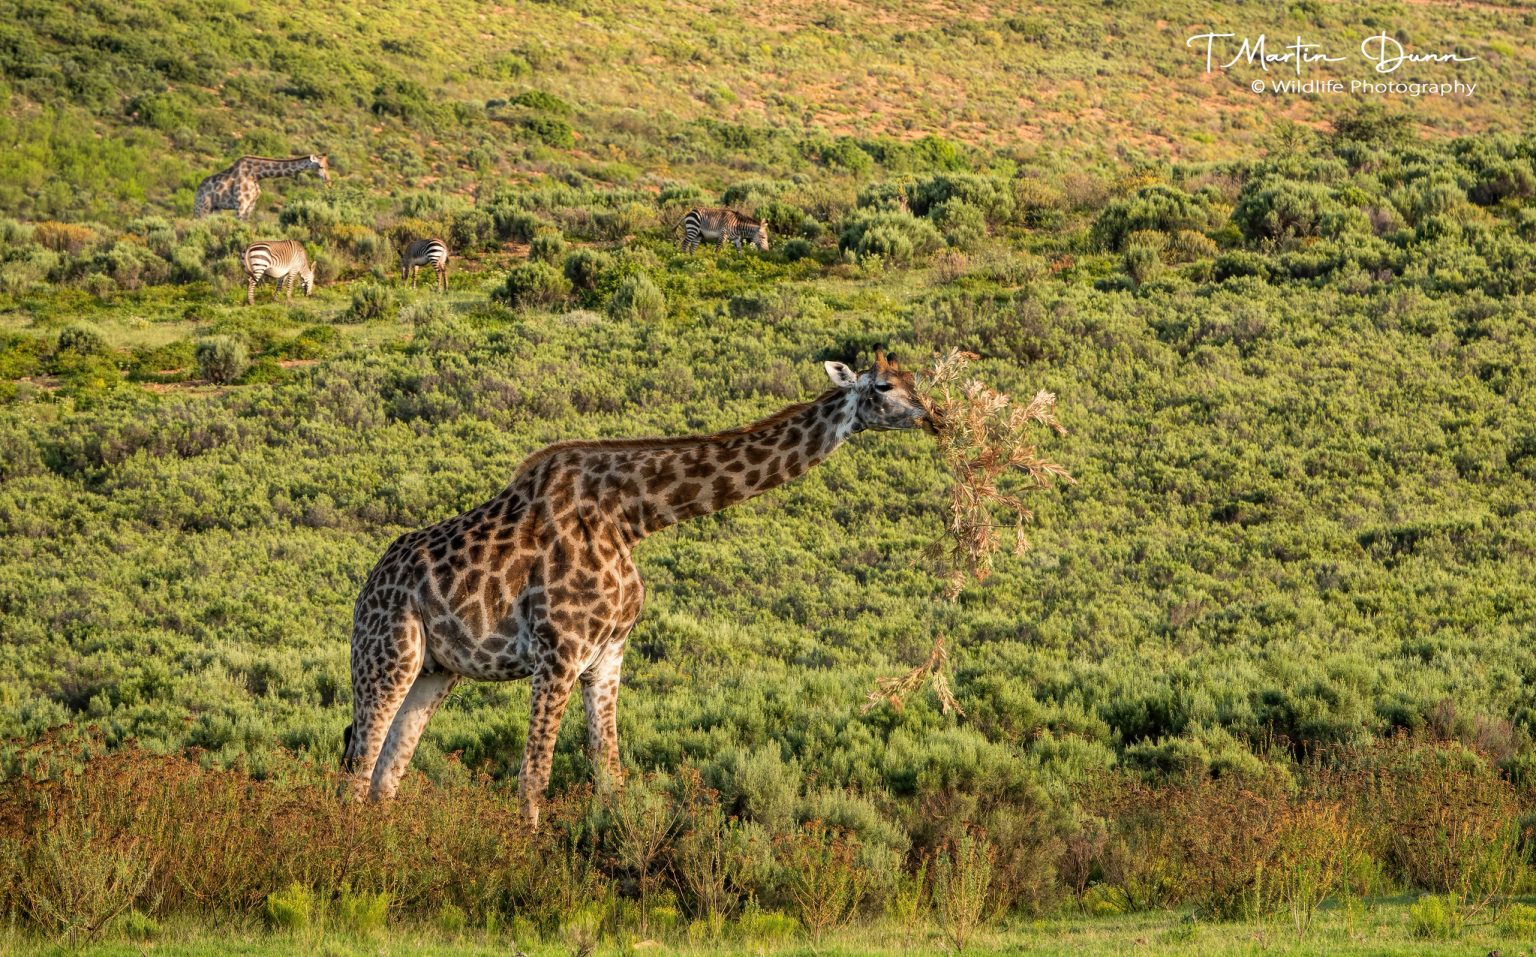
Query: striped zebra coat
[(284, 260), (724, 225), (425, 252)]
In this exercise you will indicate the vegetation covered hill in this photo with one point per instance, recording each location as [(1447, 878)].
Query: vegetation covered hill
[(109, 109), (1296, 361)]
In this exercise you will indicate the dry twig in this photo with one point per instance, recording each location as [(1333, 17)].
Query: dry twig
[(986, 444)]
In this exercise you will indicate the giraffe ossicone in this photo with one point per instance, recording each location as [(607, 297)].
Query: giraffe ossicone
[(539, 582)]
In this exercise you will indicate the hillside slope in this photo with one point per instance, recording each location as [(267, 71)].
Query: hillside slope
[(113, 109)]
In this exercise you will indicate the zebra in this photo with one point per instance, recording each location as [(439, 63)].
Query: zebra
[(425, 252), (726, 225), (283, 260)]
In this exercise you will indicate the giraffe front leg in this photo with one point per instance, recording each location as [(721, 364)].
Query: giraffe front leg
[(551, 693), (600, 696)]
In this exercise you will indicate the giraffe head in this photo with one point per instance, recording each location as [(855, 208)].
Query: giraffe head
[(883, 397), (322, 165)]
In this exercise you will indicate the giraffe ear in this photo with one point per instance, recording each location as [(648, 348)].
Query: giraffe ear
[(841, 375)]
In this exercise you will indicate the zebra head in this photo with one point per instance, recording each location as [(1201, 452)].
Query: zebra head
[(307, 277), (760, 236), (322, 165)]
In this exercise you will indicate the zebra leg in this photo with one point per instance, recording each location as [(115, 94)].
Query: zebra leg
[(250, 289), (442, 276)]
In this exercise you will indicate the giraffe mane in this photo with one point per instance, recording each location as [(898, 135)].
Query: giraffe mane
[(671, 441)]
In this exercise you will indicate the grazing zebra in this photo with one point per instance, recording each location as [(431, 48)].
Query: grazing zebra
[(425, 252), (283, 260), (235, 187), (726, 225)]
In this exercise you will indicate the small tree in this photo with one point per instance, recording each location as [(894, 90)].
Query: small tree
[(962, 887)]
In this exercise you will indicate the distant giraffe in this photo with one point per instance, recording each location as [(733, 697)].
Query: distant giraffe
[(425, 252), (235, 188), (539, 582)]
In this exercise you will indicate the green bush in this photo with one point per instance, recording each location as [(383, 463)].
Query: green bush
[(362, 913), (1435, 917), (798, 248), (893, 237), (539, 100), (992, 195), (423, 312), (515, 224), (472, 230), (533, 284), (1282, 209), (138, 926), (963, 225), (373, 301), (1166, 209), (638, 300), (549, 131), (290, 909), (451, 919), (585, 268), (404, 99), (221, 359), (548, 248), (79, 339)]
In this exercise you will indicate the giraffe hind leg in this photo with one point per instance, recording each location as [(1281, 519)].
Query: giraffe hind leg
[(600, 698), (551, 693), (387, 657), (427, 692)]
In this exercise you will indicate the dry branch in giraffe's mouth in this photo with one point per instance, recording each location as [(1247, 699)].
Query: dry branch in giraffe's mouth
[(986, 442)]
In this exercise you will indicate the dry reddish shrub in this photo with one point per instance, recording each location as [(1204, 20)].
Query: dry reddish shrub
[(1435, 813), (822, 876), (220, 840), (1230, 846), (986, 444)]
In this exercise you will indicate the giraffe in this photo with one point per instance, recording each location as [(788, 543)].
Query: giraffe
[(235, 188), (540, 583)]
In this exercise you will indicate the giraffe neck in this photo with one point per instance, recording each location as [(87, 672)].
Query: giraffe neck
[(716, 472), (645, 485), (262, 168)]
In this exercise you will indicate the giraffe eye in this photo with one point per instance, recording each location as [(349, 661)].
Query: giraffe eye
[(882, 387)]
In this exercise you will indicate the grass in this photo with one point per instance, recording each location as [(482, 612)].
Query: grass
[(1377, 927)]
